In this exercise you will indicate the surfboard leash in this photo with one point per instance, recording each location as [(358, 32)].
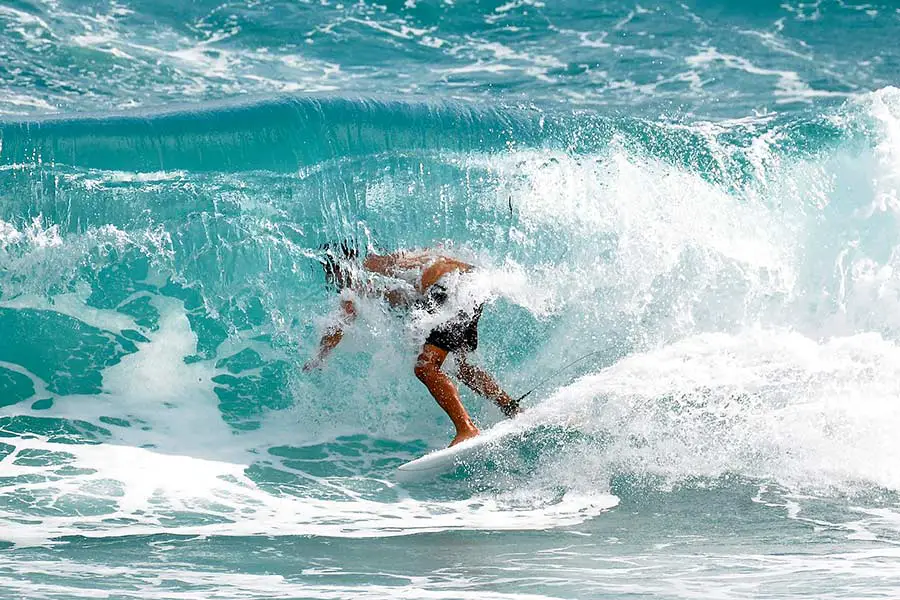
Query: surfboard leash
[(554, 374)]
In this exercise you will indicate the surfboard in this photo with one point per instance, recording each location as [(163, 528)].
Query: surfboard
[(445, 460)]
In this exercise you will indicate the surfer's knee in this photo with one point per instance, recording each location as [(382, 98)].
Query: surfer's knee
[(425, 368), (429, 362), (421, 370)]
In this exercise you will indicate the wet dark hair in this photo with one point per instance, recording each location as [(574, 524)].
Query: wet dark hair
[(335, 259)]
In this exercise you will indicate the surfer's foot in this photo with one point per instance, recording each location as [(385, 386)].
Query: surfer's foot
[(462, 436)]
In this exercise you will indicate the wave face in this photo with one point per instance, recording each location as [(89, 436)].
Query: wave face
[(702, 199)]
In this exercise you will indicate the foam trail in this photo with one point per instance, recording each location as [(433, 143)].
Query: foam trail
[(763, 404)]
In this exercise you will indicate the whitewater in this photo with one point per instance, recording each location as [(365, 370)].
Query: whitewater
[(695, 203)]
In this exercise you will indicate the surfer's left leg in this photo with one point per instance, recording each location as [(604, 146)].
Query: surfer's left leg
[(481, 382), (428, 370)]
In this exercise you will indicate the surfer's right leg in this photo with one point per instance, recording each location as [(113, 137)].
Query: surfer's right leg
[(428, 370), (480, 381)]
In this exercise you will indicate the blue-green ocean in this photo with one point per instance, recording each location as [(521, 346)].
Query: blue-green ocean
[(704, 194)]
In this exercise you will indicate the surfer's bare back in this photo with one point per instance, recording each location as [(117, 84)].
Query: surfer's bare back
[(427, 274)]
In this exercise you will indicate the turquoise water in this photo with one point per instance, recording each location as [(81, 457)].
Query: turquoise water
[(705, 194)]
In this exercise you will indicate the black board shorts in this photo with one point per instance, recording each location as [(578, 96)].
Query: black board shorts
[(459, 334)]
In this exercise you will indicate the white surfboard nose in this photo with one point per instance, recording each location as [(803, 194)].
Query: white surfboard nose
[(445, 460)]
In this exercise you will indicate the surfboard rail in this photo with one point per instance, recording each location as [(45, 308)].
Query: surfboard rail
[(444, 460)]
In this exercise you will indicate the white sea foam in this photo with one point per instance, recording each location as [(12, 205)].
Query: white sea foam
[(789, 86), (19, 100), (179, 457), (766, 404), (885, 108)]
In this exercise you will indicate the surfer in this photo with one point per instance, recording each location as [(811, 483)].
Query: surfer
[(426, 280)]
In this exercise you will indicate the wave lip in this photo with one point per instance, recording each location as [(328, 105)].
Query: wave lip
[(280, 135)]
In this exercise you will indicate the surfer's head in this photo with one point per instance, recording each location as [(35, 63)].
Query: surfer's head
[(337, 262)]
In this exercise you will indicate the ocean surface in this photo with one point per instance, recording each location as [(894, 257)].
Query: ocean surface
[(703, 195)]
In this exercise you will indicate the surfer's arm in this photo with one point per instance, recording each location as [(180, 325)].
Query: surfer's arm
[(333, 335), (433, 266), (389, 264)]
